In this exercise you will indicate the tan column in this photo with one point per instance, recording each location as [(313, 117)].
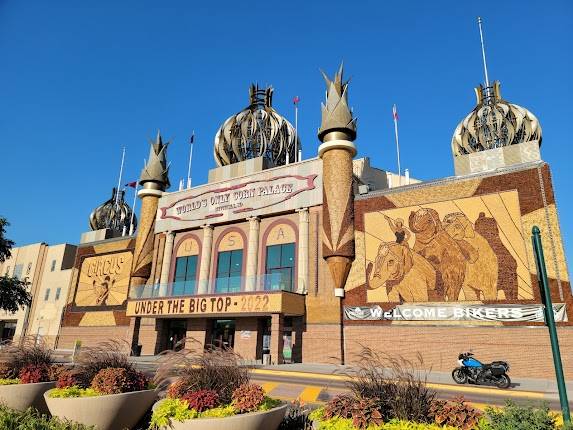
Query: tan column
[(252, 254), (205, 264), (302, 263), (277, 342), (166, 265)]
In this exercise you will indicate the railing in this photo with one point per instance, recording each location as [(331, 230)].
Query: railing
[(235, 284)]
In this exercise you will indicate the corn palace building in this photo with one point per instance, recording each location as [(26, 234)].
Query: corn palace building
[(290, 260)]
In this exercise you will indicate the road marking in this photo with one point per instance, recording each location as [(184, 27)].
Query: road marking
[(310, 394), (269, 386), (446, 387)]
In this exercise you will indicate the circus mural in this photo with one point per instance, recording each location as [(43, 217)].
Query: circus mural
[(469, 249)]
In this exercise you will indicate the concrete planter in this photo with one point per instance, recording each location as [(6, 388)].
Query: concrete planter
[(264, 420), (22, 396), (109, 412)]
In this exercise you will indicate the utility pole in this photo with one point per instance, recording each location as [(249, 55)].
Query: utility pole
[(550, 321)]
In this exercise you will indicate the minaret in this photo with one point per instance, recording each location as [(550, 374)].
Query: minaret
[(337, 133), (153, 181)]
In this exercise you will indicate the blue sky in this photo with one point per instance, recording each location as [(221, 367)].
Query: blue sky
[(80, 80)]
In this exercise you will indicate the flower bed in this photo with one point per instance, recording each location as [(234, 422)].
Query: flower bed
[(27, 371), (212, 391), (103, 390)]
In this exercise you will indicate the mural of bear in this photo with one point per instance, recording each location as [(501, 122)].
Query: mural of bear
[(480, 280)]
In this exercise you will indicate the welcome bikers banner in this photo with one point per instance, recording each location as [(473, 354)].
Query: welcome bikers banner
[(455, 312)]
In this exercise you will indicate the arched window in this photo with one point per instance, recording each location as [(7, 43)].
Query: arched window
[(280, 258), (186, 261), (229, 263)]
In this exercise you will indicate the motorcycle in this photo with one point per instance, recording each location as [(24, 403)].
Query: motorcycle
[(473, 371)]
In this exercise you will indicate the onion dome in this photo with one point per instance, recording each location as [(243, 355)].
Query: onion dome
[(114, 214), (494, 123), (256, 131)]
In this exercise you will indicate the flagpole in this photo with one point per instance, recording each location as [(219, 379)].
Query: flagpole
[(190, 158), (299, 148), (395, 115), (119, 179), (133, 209)]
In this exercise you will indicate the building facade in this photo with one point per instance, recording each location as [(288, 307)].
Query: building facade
[(47, 269), (289, 260)]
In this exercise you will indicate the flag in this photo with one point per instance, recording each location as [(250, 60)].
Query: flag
[(192, 138), (296, 100), (395, 112), (131, 184)]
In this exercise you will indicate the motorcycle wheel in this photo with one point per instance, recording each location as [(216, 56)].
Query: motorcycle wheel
[(459, 376), (503, 381)]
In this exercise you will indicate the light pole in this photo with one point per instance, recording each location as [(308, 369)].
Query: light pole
[(550, 321)]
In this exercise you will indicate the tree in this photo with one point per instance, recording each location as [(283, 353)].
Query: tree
[(14, 292)]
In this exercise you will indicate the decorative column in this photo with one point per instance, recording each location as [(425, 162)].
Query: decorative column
[(337, 132), (252, 254), (153, 180), (166, 264), (205, 264), (303, 223)]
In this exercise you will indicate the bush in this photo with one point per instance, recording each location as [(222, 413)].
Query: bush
[(216, 369), (105, 355), (178, 388), (202, 400), (67, 378), (74, 391), (30, 352), (33, 420), (34, 373), (365, 413), (340, 406), (397, 384), (116, 380), (456, 413), (248, 397), (514, 417), (56, 370)]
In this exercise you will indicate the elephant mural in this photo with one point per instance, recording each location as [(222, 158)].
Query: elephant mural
[(406, 275)]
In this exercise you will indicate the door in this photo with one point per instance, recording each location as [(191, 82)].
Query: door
[(223, 333), (176, 331)]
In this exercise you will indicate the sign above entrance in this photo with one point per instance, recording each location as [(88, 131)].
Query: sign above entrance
[(259, 303), (270, 191)]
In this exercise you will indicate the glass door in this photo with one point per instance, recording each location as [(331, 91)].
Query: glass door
[(223, 333)]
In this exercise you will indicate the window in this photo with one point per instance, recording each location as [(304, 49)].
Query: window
[(229, 270), (53, 267), (280, 267), (18, 271), (58, 292), (185, 275), (47, 295)]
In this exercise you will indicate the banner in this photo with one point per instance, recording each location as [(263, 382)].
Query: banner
[(455, 312)]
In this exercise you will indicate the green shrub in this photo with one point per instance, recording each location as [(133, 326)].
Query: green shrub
[(219, 412), (118, 380), (73, 391), (33, 420), (455, 413), (515, 417), (9, 381), (171, 409)]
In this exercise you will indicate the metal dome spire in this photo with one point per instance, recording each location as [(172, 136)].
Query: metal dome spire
[(256, 131), (114, 214)]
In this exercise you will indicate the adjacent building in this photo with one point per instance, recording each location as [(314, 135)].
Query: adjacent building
[(47, 269)]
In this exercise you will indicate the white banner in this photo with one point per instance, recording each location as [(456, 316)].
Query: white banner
[(455, 312)]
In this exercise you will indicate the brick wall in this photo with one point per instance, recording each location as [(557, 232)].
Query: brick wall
[(246, 337), (91, 336), (526, 349), (321, 343)]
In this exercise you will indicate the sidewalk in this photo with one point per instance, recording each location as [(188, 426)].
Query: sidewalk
[(330, 371)]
